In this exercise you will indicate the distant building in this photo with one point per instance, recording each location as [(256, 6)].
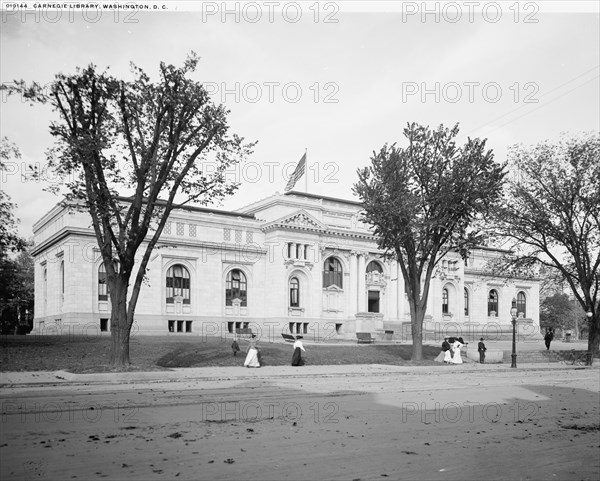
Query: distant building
[(290, 263)]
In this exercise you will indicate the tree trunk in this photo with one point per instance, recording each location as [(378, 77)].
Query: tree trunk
[(417, 316), (120, 329)]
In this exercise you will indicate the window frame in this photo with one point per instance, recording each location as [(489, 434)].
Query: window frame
[(183, 288), (333, 272), (521, 303), (294, 288), (236, 288), (493, 304), (445, 301)]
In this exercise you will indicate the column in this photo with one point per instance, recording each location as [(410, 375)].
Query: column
[(352, 288), (361, 283), (399, 292), (389, 293)]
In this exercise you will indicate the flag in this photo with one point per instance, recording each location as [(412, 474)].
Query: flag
[(298, 172)]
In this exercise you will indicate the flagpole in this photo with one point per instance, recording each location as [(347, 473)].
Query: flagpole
[(306, 171)]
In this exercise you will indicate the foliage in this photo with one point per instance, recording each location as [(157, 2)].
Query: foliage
[(560, 312), (9, 239), (16, 293), (130, 152), (551, 216), (426, 200)]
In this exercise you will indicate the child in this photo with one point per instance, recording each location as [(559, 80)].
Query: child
[(235, 347)]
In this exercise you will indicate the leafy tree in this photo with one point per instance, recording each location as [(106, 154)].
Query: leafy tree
[(426, 200), (16, 293), (560, 312), (551, 216), (164, 142), (9, 239)]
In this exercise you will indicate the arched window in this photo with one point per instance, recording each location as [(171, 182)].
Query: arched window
[(236, 287), (103, 289), (466, 302), (102, 283), (62, 279), (332, 273), (374, 266), (45, 288), (294, 292), (493, 303), (521, 304), (178, 284), (445, 300)]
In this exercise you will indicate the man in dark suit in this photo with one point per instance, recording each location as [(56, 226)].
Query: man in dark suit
[(548, 338), (481, 349)]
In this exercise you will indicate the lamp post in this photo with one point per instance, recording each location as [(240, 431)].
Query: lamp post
[(588, 356), (513, 314)]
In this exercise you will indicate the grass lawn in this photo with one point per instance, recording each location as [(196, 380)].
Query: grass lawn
[(81, 354)]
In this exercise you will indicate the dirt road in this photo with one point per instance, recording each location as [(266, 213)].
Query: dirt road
[(376, 424)]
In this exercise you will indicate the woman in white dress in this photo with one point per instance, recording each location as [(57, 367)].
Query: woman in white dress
[(456, 359), (252, 354)]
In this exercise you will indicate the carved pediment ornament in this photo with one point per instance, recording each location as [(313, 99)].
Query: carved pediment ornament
[(301, 220)]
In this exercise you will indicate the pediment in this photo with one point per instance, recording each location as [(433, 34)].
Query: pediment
[(300, 220)]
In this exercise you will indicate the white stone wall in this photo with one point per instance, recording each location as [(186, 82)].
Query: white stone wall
[(209, 245)]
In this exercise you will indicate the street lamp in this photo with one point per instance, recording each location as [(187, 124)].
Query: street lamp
[(513, 314)]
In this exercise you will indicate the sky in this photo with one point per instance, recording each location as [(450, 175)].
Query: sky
[(336, 80)]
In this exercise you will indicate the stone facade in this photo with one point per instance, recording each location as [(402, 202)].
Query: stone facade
[(295, 263)]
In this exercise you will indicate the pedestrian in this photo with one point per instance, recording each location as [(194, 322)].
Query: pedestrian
[(481, 349), (252, 353), (548, 338), (450, 352), (444, 354), (235, 347), (456, 359), (297, 356)]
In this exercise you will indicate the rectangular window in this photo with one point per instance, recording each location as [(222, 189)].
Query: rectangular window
[(373, 301), (230, 327), (188, 326), (305, 328), (104, 325), (171, 326), (179, 326), (338, 328), (291, 326)]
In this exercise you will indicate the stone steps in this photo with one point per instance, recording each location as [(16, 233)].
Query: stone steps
[(538, 356)]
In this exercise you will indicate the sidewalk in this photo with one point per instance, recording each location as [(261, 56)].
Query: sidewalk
[(59, 378)]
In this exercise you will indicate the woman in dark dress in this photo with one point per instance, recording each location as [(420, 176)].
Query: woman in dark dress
[(297, 356)]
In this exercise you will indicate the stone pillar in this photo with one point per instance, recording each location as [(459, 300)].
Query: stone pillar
[(361, 294), (399, 292), (353, 287), (389, 294)]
